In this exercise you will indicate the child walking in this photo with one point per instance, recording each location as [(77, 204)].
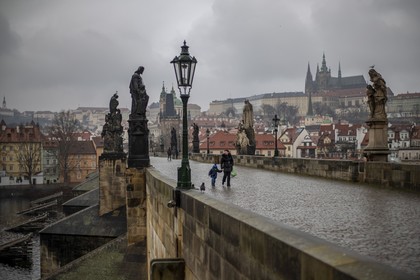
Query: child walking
[(213, 174)]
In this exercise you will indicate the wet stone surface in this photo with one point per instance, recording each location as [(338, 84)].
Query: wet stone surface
[(380, 223)]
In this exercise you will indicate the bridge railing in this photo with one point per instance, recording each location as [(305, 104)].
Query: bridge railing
[(218, 240), (399, 175)]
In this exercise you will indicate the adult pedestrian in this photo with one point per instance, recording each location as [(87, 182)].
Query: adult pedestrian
[(169, 154), (226, 163)]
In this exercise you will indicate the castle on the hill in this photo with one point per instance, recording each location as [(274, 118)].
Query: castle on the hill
[(325, 82)]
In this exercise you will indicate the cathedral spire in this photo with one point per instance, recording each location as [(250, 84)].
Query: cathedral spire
[(339, 70), (339, 75), (308, 80), (310, 109), (324, 64), (4, 102)]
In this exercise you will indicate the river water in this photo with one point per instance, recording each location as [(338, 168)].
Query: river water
[(14, 199), (377, 222)]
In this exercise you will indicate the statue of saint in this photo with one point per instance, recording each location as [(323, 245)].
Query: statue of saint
[(248, 115), (138, 93), (377, 96), (242, 140), (112, 130), (195, 132), (174, 141)]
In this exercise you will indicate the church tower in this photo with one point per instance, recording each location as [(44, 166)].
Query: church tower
[(162, 99), (309, 83), (323, 75), (339, 75)]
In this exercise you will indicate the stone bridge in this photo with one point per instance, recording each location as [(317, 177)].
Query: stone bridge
[(190, 235)]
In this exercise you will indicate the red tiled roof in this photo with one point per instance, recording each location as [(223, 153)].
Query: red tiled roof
[(219, 141), (82, 148), (225, 140)]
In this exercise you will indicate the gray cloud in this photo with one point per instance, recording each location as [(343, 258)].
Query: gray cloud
[(62, 54)]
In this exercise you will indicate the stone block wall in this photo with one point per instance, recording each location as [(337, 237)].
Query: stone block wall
[(136, 205), (218, 240), (395, 175), (112, 184)]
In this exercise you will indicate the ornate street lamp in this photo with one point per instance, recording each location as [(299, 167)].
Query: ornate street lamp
[(208, 135), (276, 124), (184, 66)]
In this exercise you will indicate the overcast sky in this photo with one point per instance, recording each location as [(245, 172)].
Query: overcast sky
[(59, 55)]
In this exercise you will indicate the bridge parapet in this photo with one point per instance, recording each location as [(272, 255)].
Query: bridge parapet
[(218, 240), (399, 175)]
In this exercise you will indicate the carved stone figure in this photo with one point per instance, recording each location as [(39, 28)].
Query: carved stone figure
[(196, 140), (377, 96), (242, 141), (245, 138), (112, 130), (174, 141), (195, 132), (138, 93), (248, 115), (377, 148)]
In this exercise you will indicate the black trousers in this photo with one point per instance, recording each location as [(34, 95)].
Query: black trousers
[(226, 178)]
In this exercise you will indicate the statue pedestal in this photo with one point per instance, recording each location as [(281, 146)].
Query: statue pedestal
[(377, 149), (112, 182), (138, 142)]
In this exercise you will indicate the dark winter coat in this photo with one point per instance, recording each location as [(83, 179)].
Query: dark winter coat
[(226, 162)]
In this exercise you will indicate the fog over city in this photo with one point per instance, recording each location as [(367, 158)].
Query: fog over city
[(59, 55)]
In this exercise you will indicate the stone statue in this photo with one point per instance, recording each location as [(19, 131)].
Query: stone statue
[(174, 141), (112, 130), (377, 96), (242, 142), (138, 93), (196, 140), (248, 115), (195, 132), (377, 148), (245, 138), (113, 103)]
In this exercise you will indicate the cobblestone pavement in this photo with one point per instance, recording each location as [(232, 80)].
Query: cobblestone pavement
[(381, 223)]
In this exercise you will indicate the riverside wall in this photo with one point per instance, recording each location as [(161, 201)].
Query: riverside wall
[(398, 175), (217, 240)]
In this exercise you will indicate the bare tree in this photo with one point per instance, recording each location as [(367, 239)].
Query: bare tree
[(63, 130), (29, 158), (288, 113), (268, 110), (322, 109)]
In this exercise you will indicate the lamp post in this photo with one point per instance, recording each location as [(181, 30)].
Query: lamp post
[(276, 124), (184, 66), (208, 135)]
